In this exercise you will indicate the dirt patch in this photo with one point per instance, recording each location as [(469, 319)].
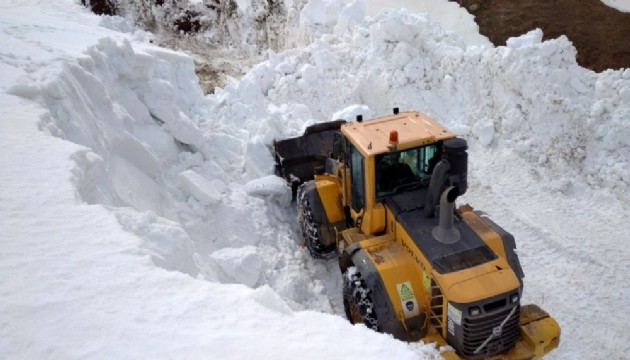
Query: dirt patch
[(601, 34), (101, 7)]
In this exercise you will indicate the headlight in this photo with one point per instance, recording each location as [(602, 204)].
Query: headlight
[(474, 311), (514, 298)]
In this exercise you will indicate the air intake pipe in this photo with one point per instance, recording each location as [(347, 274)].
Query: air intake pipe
[(445, 232), (456, 155), (451, 170)]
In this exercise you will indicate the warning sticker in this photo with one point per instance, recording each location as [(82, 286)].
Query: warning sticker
[(405, 290), (451, 326), (454, 314), (426, 280), (408, 299), (410, 307)]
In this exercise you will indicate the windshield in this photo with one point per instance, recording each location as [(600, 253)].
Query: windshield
[(405, 170)]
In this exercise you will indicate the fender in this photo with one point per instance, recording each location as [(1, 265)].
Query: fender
[(326, 208), (509, 247), (382, 257), (499, 240)]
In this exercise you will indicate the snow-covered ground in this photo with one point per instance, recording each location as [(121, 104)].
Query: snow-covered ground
[(140, 218)]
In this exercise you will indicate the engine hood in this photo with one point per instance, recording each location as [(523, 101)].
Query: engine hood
[(480, 282)]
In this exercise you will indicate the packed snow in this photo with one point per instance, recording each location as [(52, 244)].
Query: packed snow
[(141, 218), (621, 5)]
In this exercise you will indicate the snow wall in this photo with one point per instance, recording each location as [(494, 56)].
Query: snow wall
[(179, 169)]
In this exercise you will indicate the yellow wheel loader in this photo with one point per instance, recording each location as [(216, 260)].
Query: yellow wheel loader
[(379, 196)]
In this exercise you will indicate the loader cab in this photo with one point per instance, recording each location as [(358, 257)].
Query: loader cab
[(380, 165)]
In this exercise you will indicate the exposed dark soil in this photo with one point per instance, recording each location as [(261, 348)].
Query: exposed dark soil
[(601, 34)]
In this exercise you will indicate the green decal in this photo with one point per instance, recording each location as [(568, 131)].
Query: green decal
[(426, 280), (405, 291)]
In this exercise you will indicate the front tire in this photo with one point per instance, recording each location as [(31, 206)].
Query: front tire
[(311, 231), (357, 300)]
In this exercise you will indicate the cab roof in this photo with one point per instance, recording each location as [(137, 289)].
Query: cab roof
[(372, 137)]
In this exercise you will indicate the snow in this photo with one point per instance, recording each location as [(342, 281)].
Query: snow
[(621, 5), (141, 219), (208, 192), (450, 15)]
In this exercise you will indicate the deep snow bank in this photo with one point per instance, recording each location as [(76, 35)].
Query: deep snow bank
[(176, 169), (136, 108), (113, 102), (530, 97), (75, 284)]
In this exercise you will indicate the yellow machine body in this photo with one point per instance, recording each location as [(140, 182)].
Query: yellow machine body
[(452, 279)]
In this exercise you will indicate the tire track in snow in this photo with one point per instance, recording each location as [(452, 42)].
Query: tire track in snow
[(571, 249)]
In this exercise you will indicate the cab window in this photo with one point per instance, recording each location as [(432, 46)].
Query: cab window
[(404, 170), (357, 180)]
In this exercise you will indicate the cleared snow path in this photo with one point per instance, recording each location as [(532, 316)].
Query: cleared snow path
[(570, 247)]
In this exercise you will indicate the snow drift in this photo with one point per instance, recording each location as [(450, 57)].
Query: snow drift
[(210, 264)]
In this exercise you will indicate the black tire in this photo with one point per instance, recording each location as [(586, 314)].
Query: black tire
[(357, 301), (311, 231)]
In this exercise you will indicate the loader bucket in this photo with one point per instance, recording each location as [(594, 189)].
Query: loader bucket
[(297, 158)]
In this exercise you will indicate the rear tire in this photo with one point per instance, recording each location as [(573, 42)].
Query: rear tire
[(357, 300), (311, 231)]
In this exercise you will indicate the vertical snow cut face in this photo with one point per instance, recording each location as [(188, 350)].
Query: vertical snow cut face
[(203, 202), (119, 103)]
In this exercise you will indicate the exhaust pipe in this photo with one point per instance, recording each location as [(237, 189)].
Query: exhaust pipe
[(445, 232)]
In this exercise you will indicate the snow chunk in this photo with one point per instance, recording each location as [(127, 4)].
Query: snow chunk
[(167, 243), (270, 299), (351, 14), (272, 187), (208, 192), (325, 59), (352, 111), (321, 12), (531, 38), (309, 73), (244, 264), (132, 150), (258, 160), (484, 130)]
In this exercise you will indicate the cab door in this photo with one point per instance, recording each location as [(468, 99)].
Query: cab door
[(357, 182)]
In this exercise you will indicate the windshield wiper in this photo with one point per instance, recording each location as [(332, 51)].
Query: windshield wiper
[(410, 186)]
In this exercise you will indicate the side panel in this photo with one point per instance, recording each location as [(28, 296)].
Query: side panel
[(432, 293), (509, 245), (327, 230), (329, 194), (374, 220), (499, 240)]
